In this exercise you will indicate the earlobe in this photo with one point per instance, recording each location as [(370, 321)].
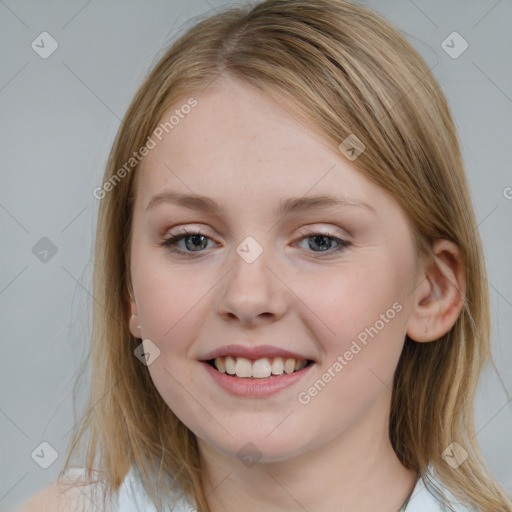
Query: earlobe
[(440, 297), (134, 324)]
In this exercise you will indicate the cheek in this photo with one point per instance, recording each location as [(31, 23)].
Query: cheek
[(361, 316), (168, 299), (363, 320), (171, 301), (350, 299)]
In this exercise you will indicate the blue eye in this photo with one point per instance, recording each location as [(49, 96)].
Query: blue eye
[(196, 242), (324, 242)]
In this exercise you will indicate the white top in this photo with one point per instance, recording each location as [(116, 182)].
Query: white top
[(133, 498)]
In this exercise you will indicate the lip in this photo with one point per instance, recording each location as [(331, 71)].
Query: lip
[(255, 388), (253, 353)]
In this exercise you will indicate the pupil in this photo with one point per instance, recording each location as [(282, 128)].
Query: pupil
[(321, 237), (320, 241), (195, 238)]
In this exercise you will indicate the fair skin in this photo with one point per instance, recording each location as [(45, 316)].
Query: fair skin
[(242, 149), (246, 152)]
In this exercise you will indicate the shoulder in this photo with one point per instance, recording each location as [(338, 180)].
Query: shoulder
[(131, 497), (70, 494), (56, 498), (49, 499)]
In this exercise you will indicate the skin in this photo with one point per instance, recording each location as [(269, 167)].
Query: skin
[(244, 150)]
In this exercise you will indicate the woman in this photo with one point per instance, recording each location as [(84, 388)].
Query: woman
[(291, 306)]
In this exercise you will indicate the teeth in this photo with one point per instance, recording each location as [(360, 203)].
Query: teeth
[(243, 367), (289, 365), (300, 364), (229, 363), (277, 366), (219, 363), (259, 369)]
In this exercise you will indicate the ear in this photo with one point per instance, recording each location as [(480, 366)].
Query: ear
[(440, 296), (134, 323)]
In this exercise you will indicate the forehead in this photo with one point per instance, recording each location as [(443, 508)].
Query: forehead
[(241, 145)]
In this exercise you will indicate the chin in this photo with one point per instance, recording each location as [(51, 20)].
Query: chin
[(255, 447)]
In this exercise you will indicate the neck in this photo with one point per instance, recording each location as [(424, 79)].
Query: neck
[(355, 472)]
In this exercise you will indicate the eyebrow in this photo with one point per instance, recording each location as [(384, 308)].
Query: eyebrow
[(291, 205)]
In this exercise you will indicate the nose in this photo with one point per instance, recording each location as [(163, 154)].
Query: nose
[(253, 293)]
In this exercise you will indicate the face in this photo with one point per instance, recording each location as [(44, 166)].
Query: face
[(327, 284)]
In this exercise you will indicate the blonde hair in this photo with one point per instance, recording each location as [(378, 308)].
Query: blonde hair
[(343, 70)]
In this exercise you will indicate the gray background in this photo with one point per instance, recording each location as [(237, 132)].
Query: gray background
[(60, 116)]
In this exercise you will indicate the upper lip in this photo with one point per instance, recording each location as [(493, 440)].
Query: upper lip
[(253, 352)]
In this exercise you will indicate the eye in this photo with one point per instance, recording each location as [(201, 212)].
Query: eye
[(322, 242), (196, 242)]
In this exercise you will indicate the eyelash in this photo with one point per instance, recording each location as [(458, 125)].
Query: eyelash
[(170, 242)]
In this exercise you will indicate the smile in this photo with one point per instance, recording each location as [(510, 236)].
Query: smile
[(247, 378), (263, 368)]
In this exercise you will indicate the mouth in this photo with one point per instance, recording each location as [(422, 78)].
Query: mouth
[(263, 368)]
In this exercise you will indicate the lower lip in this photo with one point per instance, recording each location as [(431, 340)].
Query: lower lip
[(251, 387)]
